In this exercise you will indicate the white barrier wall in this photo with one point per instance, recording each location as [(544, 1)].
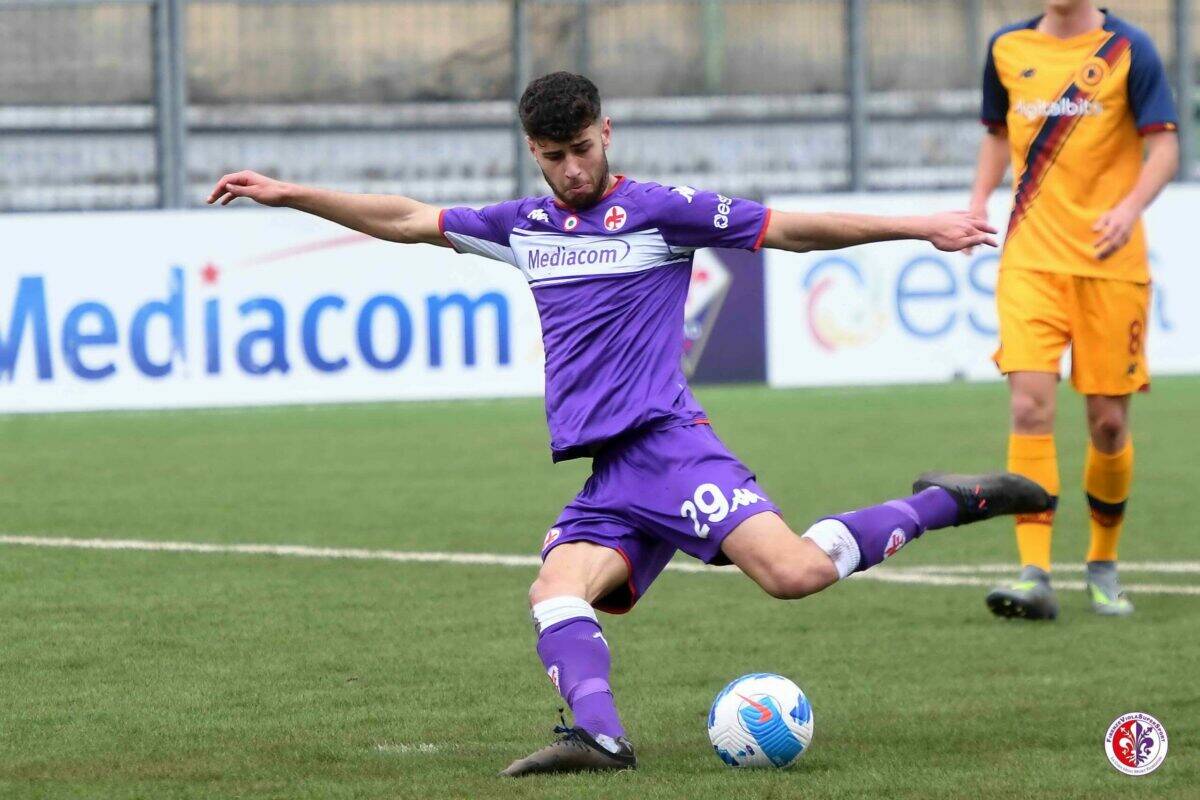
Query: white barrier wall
[(204, 308), (899, 312)]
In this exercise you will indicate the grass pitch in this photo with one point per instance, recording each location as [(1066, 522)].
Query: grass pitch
[(166, 675)]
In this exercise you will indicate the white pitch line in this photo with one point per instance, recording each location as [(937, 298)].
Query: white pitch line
[(1172, 567), (927, 575), (893, 575)]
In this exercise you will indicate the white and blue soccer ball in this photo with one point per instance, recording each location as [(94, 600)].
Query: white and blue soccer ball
[(760, 720)]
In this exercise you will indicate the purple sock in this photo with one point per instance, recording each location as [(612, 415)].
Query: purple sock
[(577, 661), (882, 530)]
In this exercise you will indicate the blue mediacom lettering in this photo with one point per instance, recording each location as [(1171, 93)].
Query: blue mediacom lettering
[(90, 331)]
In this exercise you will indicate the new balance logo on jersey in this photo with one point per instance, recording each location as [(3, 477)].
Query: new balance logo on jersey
[(687, 192), (537, 215)]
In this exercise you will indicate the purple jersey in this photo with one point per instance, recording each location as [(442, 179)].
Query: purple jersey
[(610, 282)]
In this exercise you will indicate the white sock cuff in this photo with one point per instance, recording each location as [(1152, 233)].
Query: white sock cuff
[(560, 609), (837, 542)]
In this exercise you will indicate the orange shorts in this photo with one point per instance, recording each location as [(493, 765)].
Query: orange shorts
[(1104, 321)]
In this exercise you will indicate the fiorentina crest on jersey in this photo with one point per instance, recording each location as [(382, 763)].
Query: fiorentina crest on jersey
[(614, 219)]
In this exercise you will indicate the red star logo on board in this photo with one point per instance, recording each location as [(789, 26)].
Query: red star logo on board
[(210, 274)]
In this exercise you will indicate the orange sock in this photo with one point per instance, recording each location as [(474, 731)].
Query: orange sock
[(1036, 458), (1106, 479)]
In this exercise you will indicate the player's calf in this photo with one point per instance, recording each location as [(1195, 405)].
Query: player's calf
[(859, 540)]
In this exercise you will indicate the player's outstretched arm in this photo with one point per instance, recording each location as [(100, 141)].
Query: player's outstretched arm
[(949, 231), (389, 217)]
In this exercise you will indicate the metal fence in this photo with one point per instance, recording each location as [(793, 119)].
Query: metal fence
[(142, 103)]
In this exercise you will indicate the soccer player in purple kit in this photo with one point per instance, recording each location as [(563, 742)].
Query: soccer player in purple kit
[(608, 260)]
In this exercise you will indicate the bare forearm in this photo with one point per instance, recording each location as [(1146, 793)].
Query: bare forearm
[(834, 230), (387, 217), (950, 230), (989, 170), (1157, 171)]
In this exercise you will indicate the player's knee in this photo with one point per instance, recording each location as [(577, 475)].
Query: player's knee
[(545, 587), (1031, 412), (1108, 429)]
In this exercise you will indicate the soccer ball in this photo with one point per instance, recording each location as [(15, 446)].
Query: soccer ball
[(760, 720)]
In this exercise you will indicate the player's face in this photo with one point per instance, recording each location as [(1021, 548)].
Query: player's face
[(577, 170)]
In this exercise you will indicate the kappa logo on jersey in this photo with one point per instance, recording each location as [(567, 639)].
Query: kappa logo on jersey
[(687, 192), (570, 223), (896, 541), (551, 535), (538, 215), (724, 206), (614, 219)]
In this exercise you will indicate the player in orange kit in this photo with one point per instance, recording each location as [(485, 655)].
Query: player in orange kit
[(1074, 97)]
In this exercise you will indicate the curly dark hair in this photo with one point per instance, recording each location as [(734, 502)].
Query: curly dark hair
[(558, 106)]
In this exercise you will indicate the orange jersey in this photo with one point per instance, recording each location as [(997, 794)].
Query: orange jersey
[(1075, 110)]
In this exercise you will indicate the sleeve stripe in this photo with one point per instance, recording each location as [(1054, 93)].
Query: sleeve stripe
[(762, 234), (442, 229), (994, 123), (1156, 127)]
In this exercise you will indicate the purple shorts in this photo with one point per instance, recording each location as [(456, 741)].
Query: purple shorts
[(655, 492)]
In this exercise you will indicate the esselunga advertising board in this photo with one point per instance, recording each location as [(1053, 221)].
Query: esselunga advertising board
[(901, 312)]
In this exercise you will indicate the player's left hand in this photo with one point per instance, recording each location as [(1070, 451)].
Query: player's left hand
[(952, 231), (1114, 228)]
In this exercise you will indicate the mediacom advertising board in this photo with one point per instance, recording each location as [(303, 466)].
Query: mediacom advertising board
[(902, 312), (236, 307), (252, 306)]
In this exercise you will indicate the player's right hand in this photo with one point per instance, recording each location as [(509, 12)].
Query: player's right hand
[(979, 213), (958, 230), (246, 183)]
